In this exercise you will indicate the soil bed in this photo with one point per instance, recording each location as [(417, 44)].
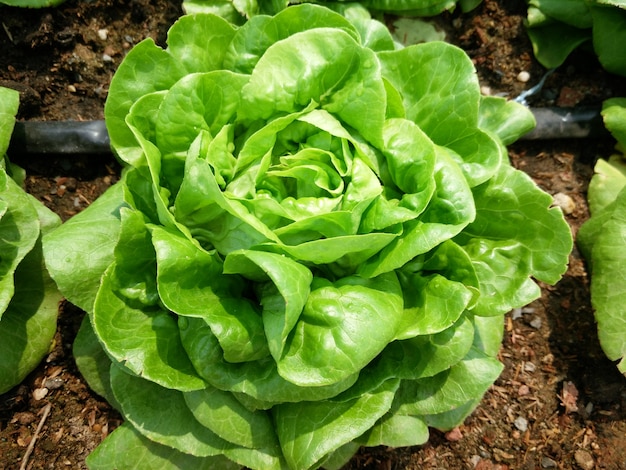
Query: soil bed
[(559, 402)]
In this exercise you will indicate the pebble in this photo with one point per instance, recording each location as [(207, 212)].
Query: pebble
[(536, 323), (523, 76), (565, 202), (107, 58), (516, 313), (71, 88), (521, 423), (53, 383), (103, 34), (40, 393), (485, 90), (529, 367), (547, 462), (584, 459), (454, 435)]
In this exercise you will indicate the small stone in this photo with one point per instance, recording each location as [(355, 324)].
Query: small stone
[(523, 390), (536, 323), (107, 58), (516, 313), (565, 202), (53, 383), (103, 34), (454, 435), (584, 459), (523, 76), (40, 393), (71, 88), (530, 367), (485, 90), (547, 462), (521, 423)]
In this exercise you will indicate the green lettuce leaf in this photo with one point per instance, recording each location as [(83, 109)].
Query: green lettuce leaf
[(601, 238)]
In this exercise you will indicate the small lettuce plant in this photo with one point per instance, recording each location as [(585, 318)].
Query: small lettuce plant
[(601, 238), (28, 297), (557, 27), (238, 11), (312, 248)]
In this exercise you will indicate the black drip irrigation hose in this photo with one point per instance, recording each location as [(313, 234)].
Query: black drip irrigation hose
[(60, 137), (91, 137), (567, 123)]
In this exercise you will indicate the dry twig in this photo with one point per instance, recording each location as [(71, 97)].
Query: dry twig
[(31, 445)]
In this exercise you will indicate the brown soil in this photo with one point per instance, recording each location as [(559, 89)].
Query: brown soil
[(559, 402)]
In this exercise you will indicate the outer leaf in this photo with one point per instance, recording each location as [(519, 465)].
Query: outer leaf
[(162, 416), (488, 334), (504, 269), (573, 12), (310, 430), (450, 419), (19, 230), (439, 105), (600, 239), (29, 322), (608, 281), (257, 379), (428, 355), (395, 430), (93, 362), (554, 41), (336, 316), (9, 105), (614, 115), (222, 413), (511, 207), (147, 342), (76, 267), (506, 119), (607, 182), (609, 30), (126, 449), (412, 7), (465, 381)]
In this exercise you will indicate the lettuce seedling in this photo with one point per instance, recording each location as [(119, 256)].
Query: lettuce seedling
[(311, 249), (601, 238), (238, 11), (28, 297), (556, 28)]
